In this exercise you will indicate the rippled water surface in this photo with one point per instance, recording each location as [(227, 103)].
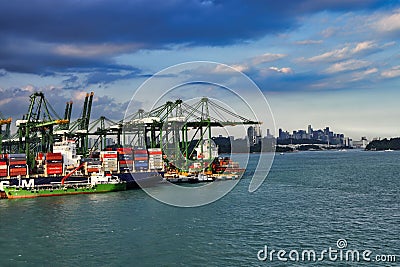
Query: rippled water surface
[(309, 201)]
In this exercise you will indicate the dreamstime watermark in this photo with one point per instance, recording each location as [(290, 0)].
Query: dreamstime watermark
[(187, 97), (334, 254)]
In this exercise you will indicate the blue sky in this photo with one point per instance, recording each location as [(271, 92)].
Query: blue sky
[(328, 63)]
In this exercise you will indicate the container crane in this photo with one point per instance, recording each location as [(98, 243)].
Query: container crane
[(169, 127), (35, 130), (80, 128), (6, 134)]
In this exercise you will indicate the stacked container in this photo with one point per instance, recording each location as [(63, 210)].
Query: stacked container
[(92, 165), (155, 159), (3, 166), (140, 157), (125, 159), (17, 164), (54, 164), (109, 160)]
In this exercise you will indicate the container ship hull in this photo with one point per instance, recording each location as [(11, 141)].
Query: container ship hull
[(14, 192), (133, 180)]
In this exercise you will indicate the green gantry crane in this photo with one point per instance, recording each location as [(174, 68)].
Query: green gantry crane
[(35, 130)]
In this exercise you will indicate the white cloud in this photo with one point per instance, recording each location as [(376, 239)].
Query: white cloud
[(307, 42), (282, 70), (363, 74), (329, 32), (392, 73), (347, 65), (344, 53), (240, 67), (390, 23), (253, 63), (93, 50), (331, 55), (267, 57), (363, 46)]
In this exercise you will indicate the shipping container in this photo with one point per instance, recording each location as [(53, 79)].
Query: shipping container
[(20, 171), (122, 156), (142, 152), (90, 170), (54, 161), (16, 156), (108, 154), (141, 159), (124, 149), (109, 161), (54, 171), (126, 162), (54, 156), (19, 166), (155, 151)]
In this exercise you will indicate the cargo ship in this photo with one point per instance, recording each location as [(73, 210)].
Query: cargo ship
[(96, 183), (135, 167)]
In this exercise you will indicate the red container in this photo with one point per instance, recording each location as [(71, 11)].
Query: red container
[(140, 151), (54, 164), (17, 162), (140, 158), (109, 156), (15, 172), (54, 168), (126, 162), (49, 172), (93, 170), (54, 156), (155, 151), (125, 149)]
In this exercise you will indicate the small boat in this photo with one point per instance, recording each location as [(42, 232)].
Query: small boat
[(389, 150)]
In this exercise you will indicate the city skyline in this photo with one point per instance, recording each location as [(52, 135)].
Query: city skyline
[(329, 63)]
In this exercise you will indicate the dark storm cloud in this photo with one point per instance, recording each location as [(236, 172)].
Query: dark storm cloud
[(43, 36), (15, 103)]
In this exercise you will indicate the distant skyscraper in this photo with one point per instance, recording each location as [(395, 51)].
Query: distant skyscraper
[(251, 135), (310, 130)]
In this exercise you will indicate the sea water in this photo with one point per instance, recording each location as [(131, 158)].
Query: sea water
[(317, 201)]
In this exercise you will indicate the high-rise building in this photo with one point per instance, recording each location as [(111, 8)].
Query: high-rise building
[(251, 135), (310, 130)]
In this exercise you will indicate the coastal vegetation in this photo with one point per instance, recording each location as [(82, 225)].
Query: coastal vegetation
[(384, 144)]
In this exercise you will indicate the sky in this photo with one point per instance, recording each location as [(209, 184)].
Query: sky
[(329, 63)]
